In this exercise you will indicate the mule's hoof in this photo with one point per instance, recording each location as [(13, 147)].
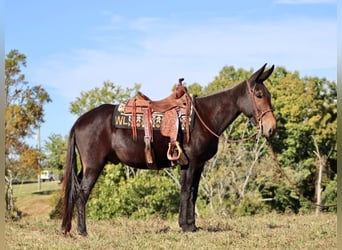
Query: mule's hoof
[(83, 233), (190, 228), (65, 231)]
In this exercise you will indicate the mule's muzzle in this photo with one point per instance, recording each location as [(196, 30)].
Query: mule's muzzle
[(268, 125)]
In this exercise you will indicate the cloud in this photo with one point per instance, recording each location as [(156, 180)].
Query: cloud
[(143, 23), (163, 53), (306, 2)]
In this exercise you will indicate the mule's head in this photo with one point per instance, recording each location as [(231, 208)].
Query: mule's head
[(258, 107)]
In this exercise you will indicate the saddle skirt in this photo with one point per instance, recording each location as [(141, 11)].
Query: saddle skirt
[(124, 120)]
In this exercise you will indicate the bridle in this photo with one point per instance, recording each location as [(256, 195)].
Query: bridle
[(256, 114)]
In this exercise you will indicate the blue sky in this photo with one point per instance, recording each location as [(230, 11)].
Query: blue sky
[(74, 46)]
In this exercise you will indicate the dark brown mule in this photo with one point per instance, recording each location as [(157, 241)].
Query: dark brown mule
[(98, 142)]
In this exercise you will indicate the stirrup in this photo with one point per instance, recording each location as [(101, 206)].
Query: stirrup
[(171, 150)]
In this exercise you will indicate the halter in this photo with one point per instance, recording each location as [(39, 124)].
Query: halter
[(256, 114)]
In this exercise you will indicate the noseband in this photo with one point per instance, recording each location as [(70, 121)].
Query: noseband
[(256, 114)]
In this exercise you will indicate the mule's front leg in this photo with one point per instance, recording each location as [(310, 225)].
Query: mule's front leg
[(187, 215), (189, 189)]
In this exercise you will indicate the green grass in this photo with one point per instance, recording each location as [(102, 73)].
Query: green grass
[(271, 231), (30, 189), (32, 201)]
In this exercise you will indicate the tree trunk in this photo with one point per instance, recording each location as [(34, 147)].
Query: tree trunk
[(321, 159), (9, 192), (319, 187)]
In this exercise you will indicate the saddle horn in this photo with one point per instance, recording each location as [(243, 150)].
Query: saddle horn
[(180, 89)]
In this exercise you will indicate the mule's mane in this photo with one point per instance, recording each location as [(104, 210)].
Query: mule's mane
[(219, 92)]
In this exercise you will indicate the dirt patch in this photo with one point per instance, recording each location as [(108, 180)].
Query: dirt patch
[(38, 206), (32, 202)]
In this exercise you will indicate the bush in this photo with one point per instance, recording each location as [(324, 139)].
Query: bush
[(147, 194), (329, 195)]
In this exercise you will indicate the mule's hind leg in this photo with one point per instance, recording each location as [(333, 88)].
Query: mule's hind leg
[(87, 183)]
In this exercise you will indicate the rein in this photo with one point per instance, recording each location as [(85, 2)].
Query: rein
[(212, 132), (277, 163), (257, 116)]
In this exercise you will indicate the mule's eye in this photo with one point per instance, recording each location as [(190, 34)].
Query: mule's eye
[(259, 94)]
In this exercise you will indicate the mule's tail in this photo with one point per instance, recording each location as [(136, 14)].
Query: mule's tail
[(70, 183)]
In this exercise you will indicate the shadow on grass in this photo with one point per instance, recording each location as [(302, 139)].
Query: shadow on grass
[(45, 192), (218, 228), (210, 229)]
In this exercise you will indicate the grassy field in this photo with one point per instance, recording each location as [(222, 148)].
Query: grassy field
[(272, 231), (32, 201)]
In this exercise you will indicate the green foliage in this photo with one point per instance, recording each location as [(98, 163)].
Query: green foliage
[(195, 89), (24, 112), (227, 77), (251, 205), (24, 103), (329, 195), (304, 107), (147, 194), (306, 112), (109, 93), (57, 203), (56, 147)]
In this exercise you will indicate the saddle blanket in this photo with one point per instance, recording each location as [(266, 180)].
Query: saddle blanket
[(123, 120)]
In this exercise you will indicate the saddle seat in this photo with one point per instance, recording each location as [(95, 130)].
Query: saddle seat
[(172, 106), (176, 99)]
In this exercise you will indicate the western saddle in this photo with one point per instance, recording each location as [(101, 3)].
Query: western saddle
[(173, 106)]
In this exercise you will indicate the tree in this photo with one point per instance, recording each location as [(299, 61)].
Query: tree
[(55, 148), (306, 111), (109, 93), (29, 161), (24, 112)]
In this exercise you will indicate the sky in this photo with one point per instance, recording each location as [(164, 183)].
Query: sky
[(74, 46)]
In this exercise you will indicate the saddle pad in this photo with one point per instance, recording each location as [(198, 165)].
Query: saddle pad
[(123, 120)]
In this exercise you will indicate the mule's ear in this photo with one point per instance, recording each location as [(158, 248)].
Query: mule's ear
[(266, 74), (256, 75)]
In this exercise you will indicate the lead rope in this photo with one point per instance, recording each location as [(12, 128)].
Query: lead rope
[(273, 153), (277, 163), (211, 131)]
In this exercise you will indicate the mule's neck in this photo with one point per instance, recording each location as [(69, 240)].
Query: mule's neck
[(223, 107)]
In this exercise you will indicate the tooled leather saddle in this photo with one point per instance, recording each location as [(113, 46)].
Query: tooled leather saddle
[(166, 115)]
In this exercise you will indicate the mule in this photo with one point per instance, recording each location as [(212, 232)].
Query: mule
[(98, 142)]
